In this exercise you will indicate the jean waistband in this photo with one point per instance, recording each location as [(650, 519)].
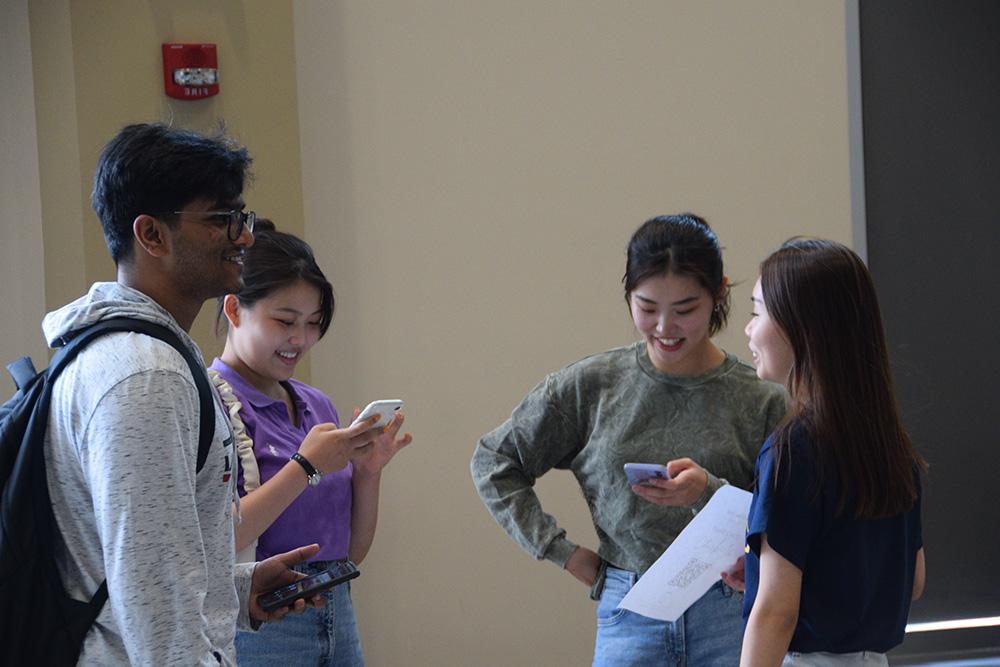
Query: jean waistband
[(619, 573), (631, 577)]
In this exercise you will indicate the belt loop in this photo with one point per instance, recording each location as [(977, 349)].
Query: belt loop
[(598, 588)]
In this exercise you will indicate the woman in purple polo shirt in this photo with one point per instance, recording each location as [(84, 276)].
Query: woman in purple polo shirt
[(302, 478)]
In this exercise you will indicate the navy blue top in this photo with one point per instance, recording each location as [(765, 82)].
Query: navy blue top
[(857, 575)]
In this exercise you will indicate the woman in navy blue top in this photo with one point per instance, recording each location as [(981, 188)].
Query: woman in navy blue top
[(834, 548)]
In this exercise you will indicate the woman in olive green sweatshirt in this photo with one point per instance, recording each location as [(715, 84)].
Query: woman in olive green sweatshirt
[(672, 398)]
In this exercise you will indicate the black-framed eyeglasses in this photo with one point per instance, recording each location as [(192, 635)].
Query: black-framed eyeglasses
[(234, 220)]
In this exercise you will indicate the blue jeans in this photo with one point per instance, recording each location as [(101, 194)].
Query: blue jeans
[(708, 634), (326, 637)]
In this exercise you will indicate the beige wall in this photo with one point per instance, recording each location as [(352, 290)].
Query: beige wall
[(22, 269), (471, 175), (98, 66)]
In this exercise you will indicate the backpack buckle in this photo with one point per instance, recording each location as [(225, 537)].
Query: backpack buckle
[(23, 371)]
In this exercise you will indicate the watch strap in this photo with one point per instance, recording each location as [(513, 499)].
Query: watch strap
[(312, 473)]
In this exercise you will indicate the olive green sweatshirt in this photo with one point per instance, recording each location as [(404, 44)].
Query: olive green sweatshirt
[(608, 409)]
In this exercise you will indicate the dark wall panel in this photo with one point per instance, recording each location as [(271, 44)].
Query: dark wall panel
[(930, 81)]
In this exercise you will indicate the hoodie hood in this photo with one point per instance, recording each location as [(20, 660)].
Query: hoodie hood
[(105, 301)]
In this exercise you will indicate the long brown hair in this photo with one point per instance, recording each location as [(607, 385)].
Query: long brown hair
[(822, 297)]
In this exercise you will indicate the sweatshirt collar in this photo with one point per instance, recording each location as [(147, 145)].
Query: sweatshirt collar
[(646, 364)]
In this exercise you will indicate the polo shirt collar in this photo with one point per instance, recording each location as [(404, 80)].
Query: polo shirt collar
[(254, 396)]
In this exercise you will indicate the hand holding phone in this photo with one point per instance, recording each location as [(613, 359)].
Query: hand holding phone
[(307, 587), (386, 407), (639, 473)]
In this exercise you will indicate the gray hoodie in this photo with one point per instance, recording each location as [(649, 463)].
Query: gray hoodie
[(121, 453)]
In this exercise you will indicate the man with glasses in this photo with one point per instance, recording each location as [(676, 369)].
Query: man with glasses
[(122, 442)]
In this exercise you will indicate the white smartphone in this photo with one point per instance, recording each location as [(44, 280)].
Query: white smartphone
[(386, 407), (638, 473)]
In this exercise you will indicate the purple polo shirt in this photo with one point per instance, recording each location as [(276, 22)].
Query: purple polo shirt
[(320, 514)]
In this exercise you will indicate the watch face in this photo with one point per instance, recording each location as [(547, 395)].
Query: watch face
[(314, 480)]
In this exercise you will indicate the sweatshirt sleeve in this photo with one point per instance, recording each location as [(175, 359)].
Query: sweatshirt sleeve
[(507, 461), (139, 455), (764, 420), (243, 578)]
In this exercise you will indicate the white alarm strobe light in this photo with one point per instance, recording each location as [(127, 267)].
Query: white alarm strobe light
[(196, 76)]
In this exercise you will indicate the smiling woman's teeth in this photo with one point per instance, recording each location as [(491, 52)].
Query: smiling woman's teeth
[(288, 355), (670, 342)]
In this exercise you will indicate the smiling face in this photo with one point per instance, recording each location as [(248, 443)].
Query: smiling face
[(772, 353), (268, 339), (206, 263), (672, 312)]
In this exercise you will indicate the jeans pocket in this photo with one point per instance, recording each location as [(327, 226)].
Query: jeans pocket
[(728, 591), (616, 584), (609, 616)]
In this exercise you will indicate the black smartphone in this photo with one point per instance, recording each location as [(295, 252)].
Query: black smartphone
[(337, 573)]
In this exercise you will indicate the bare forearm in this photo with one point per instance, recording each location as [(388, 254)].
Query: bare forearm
[(775, 611), (364, 514), (261, 507), (767, 637), (919, 575)]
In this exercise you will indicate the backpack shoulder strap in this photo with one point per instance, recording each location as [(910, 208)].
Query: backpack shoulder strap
[(83, 337), (27, 523)]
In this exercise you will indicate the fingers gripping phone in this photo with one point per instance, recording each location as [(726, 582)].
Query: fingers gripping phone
[(638, 473), (307, 587), (386, 407)]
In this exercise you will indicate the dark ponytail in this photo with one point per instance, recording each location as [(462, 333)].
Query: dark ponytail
[(683, 245), (275, 261)]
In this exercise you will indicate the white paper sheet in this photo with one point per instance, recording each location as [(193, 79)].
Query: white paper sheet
[(710, 544)]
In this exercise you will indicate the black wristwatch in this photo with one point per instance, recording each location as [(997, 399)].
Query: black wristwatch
[(313, 476)]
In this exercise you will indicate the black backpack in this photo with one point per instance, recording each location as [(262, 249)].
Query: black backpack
[(41, 623)]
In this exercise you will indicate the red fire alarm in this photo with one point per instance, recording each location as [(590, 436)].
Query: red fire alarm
[(190, 71)]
